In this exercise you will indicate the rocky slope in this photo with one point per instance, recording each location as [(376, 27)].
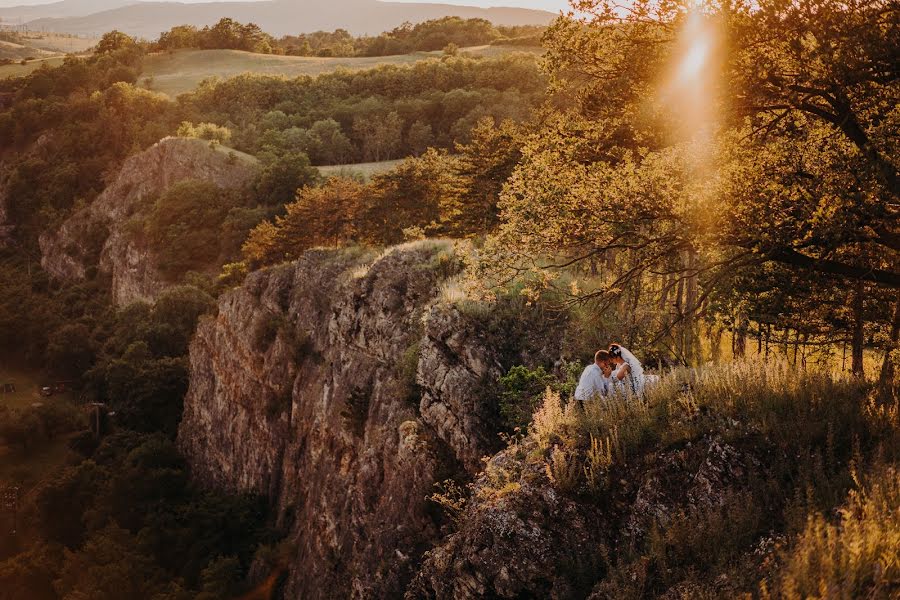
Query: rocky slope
[(96, 236)]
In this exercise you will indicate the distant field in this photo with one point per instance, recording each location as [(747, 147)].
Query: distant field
[(180, 72), (39, 48), (59, 42), (19, 51), (19, 70), (366, 170)]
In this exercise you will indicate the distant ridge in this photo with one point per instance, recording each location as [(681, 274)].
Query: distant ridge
[(61, 9), (278, 17)]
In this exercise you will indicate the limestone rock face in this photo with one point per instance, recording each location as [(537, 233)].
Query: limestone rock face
[(96, 236), (317, 384)]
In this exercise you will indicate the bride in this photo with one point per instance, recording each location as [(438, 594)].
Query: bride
[(629, 374)]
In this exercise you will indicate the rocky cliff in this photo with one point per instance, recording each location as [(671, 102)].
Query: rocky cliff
[(96, 236), (343, 387)]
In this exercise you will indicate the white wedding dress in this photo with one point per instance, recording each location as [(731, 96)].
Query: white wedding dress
[(634, 381)]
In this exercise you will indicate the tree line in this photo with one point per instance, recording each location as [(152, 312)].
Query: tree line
[(435, 34)]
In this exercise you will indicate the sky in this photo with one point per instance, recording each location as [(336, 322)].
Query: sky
[(551, 5)]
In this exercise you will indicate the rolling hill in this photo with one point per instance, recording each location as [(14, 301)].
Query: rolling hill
[(180, 72), (278, 17)]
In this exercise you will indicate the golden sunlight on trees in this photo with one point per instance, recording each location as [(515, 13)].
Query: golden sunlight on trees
[(731, 163)]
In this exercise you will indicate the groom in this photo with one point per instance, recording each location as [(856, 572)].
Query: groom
[(595, 379)]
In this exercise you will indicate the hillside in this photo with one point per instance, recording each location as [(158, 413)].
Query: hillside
[(16, 52), (180, 72), (279, 17)]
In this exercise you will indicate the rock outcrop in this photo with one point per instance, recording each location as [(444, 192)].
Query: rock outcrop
[(96, 236), (343, 391), (520, 537)]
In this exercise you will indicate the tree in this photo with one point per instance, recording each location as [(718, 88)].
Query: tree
[(419, 137), (279, 180), (184, 226), (414, 194), (205, 131), (379, 136), (334, 145), (326, 215), (114, 42), (69, 350), (110, 566), (485, 164)]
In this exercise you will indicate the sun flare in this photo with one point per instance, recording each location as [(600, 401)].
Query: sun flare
[(695, 60)]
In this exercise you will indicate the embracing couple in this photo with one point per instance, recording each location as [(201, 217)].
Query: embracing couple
[(615, 371)]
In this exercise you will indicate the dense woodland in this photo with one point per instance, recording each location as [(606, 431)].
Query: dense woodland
[(760, 216), (436, 34)]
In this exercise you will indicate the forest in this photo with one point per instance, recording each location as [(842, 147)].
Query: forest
[(715, 184)]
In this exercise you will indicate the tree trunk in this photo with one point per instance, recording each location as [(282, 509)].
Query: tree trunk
[(692, 337), (886, 379), (740, 339), (715, 343), (858, 334)]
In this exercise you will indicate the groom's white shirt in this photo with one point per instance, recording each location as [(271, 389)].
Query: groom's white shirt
[(592, 384)]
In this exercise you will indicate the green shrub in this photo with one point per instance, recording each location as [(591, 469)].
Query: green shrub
[(407, 368), (521, 391)]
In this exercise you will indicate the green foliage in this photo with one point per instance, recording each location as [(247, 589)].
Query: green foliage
[(379, 114), (34, 427), (94, 124), (226, 34), (521, 391), (435, 34), (142, 369), (70, 351), (130, 521), (650, 189), (412, 197), (279, 181), (31, 572), (205, 131), (407, 370), (184, 228)]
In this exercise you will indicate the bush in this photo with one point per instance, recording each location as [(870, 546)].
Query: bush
[(205, 131), (521, 391)]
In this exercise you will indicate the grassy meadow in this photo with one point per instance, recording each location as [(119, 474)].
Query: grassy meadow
[(364, 170), (175, 73)]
